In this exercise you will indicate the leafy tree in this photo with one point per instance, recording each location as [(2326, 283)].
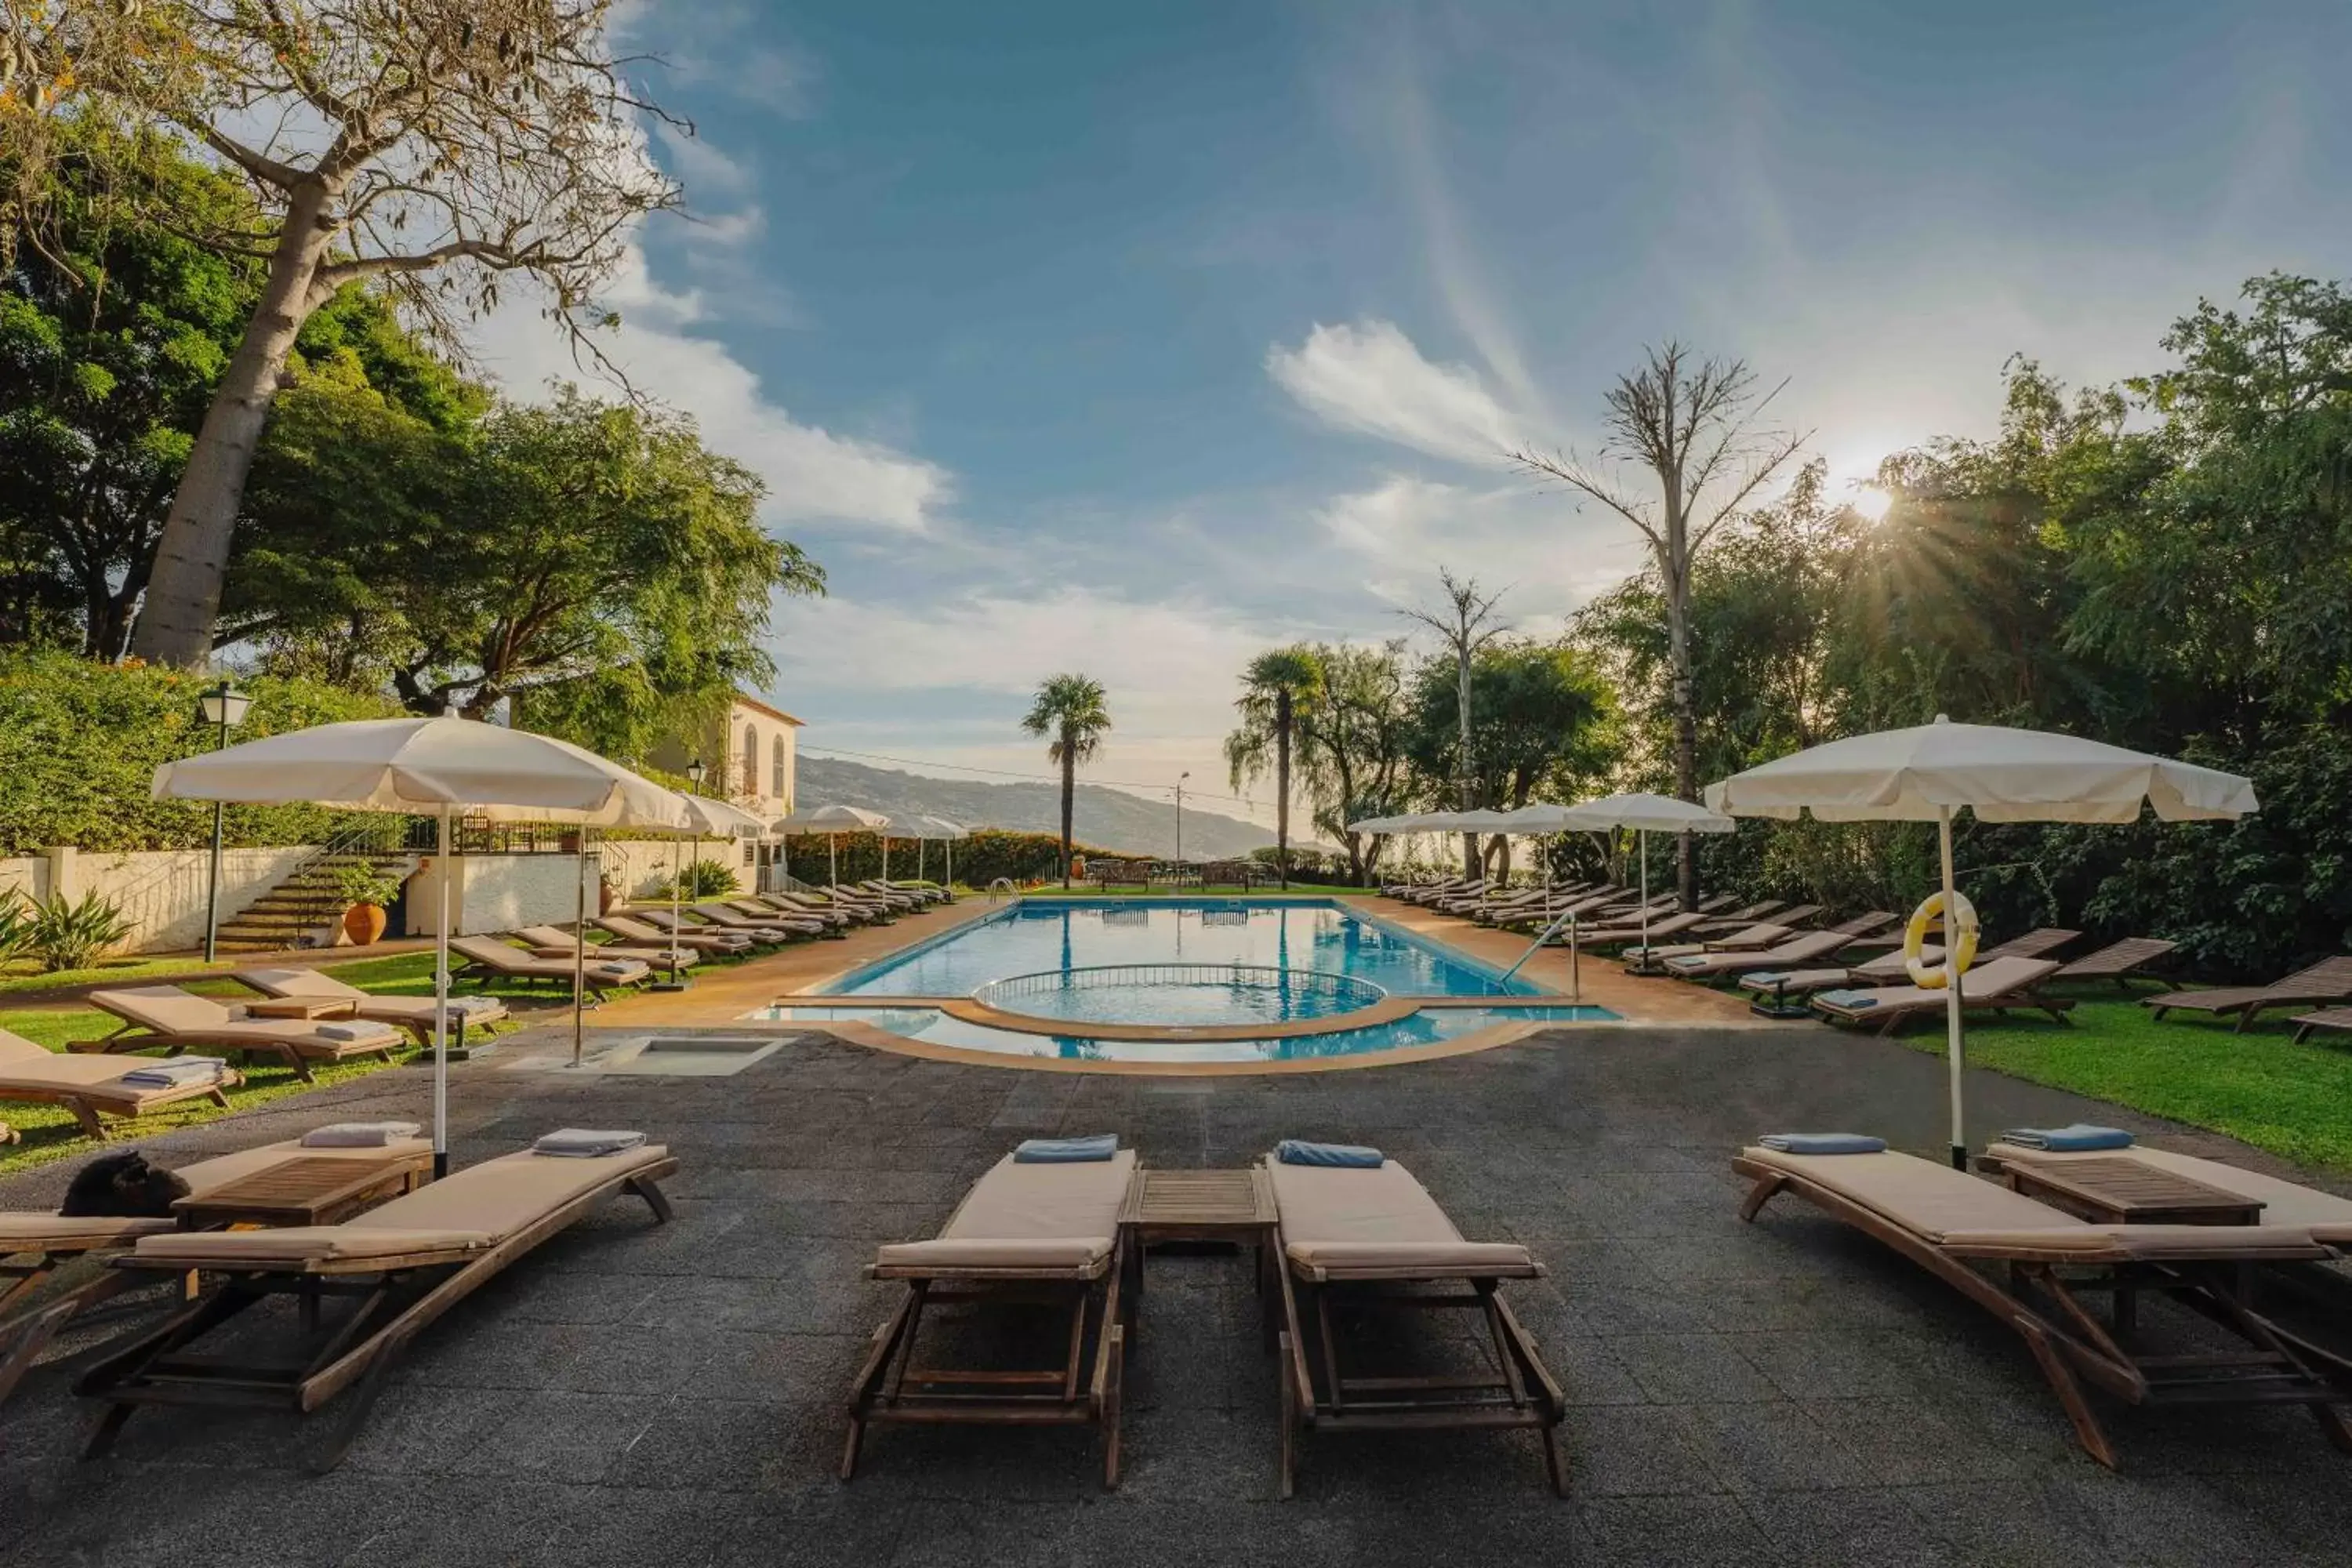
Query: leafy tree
[(447, 145), (1353, 738), (592, 562), (1467, 624), (1071, 713), (1543, 718), (1276, 687)]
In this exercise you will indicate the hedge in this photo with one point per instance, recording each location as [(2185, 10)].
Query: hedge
[(80, 743), (988, 853)]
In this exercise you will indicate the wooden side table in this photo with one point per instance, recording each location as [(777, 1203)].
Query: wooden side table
[(1235, 1206), (309, 1189), (301, 1007)]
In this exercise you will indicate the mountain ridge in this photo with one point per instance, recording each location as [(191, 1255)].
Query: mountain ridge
[(1101, 816)]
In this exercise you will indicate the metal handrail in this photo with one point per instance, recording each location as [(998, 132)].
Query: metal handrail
[(1352, 988), (1575, 968)]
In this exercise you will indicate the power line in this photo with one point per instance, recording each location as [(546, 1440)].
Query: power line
[(1009, 773)]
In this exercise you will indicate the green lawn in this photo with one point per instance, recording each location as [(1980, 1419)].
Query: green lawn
[(2260, 1086), (20, 975), (49, 1133)]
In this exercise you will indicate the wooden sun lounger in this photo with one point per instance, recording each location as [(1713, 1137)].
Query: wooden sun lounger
[(2001, 986), (772, 931), (400, 1267), (1616, 936), (553, 941), (487, 958), (794, 906), (1888, 968), (1804, 947), (2330, 980), (414, 1014), (709, 940), (2331, 1020), (2121, 962), (1376, 1235), (179, 1020), (91, 1089), (1024, 1232), (33, 1245), (2324, 1216), (1949, 1223), (799, 923)]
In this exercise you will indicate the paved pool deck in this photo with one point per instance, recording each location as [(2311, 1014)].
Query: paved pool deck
[(1785, 1393)]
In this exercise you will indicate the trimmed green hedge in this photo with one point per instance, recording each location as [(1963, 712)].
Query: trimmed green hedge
[(988, 853), (80, 743)]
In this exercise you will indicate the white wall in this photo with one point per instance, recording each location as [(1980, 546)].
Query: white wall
[(161, 892), (491, 893)]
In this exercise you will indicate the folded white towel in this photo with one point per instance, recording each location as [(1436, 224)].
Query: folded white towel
[(177, 1070), (359, 1134), (472, 1004), (365, 1030), (586, 1143), (618, 969)]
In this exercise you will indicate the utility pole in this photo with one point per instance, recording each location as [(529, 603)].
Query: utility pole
[(1180, 814)]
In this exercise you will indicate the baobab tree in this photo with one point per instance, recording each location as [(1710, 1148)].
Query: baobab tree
[(1692, 428), (435, 148)]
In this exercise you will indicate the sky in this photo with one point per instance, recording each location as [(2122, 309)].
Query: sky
[(1133, 340)]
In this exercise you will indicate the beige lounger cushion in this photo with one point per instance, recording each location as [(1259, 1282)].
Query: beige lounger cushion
[(473, 1208), (82, 1233), (1981, 987), (1051, 1216), (32, 1072), (1340, 1218), (171, 1012), (2327, 1217), (1972, 1217)]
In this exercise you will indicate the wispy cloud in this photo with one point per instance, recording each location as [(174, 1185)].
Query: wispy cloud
[(1368, 377)]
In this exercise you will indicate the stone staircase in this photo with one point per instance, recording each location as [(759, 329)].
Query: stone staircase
[(305, 911)]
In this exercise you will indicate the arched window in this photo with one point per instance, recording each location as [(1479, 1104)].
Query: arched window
[(777, 787), (750, 760)]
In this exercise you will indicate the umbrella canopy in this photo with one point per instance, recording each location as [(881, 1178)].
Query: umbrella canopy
[(1927, 773), (423, 765), (931, 828), (834, 821), (706, 817), (437, 765), (1409, 823), (1640, 810), (2001, 774)]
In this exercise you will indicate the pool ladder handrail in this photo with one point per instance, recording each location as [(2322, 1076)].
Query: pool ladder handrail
[(1575, 965), (1006, 883)]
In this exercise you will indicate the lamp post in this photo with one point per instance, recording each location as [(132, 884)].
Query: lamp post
[(224, 708), (1179, 815)]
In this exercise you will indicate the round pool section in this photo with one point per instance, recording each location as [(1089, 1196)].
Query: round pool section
[(1180, 995), (1431, 1025)]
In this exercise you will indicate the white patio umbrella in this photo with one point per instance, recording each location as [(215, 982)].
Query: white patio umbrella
[(833, 821), (442, 766), (1927, 772), (924, 829), (1642, 812), (706, 817)]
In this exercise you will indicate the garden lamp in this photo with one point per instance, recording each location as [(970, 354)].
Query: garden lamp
[(224, 708)]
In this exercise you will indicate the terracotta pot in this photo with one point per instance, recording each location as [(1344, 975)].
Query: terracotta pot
[(363, 924)]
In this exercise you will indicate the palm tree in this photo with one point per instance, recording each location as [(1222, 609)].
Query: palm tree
[(1069, 708), (1278, 684)]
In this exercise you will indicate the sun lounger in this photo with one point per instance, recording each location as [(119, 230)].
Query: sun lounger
[(1731, 920), (802, 907), (553, 941), (798, 922), (414, 1014), (2000, 986), (488, 958), (2324, 1216), (1949, 1223), (2123, 962), (92, 1088), (1349, 1236), (2330, 980), (773, 929), (1889, 968), (32, 1246), (1428, 897), (1024, 1232), (401, 1266), (1753, 938), (2330, 1020), (1801, 949), (179, 1020), (1616, 936), (709, 940)]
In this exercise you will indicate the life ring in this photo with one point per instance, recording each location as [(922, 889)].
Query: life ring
[(1960, 946)]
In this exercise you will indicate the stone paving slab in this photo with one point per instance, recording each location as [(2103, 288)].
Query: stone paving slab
[(638, 1394)]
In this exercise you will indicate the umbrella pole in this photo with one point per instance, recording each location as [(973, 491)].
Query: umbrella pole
[(580, 952), (947, 847), (441, 1005), (833, 860), (1952, 1003), (886, 856), (1644, 835), (676, 869)]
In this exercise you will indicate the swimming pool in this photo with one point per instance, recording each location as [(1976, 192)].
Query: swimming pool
[(1180, 980), (1066, 934), (1428, 1027)]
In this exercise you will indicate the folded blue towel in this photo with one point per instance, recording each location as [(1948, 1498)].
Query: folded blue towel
[(1855, 999), (1066, 1151), (2073, 1137), (1823, 1144), (1346, 1156)]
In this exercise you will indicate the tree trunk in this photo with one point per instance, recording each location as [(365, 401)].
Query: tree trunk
[(1462, 751), (183, 591), (1282, 787), (1686, 722), (1069, 788)]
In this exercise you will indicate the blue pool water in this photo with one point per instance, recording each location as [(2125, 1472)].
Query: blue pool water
[(1425, 1027), (1072, 934)]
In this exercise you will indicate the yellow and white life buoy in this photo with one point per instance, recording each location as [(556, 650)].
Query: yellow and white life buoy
[(1959, 942)]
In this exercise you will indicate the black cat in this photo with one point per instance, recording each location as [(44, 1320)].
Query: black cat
[(124, 1183)]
